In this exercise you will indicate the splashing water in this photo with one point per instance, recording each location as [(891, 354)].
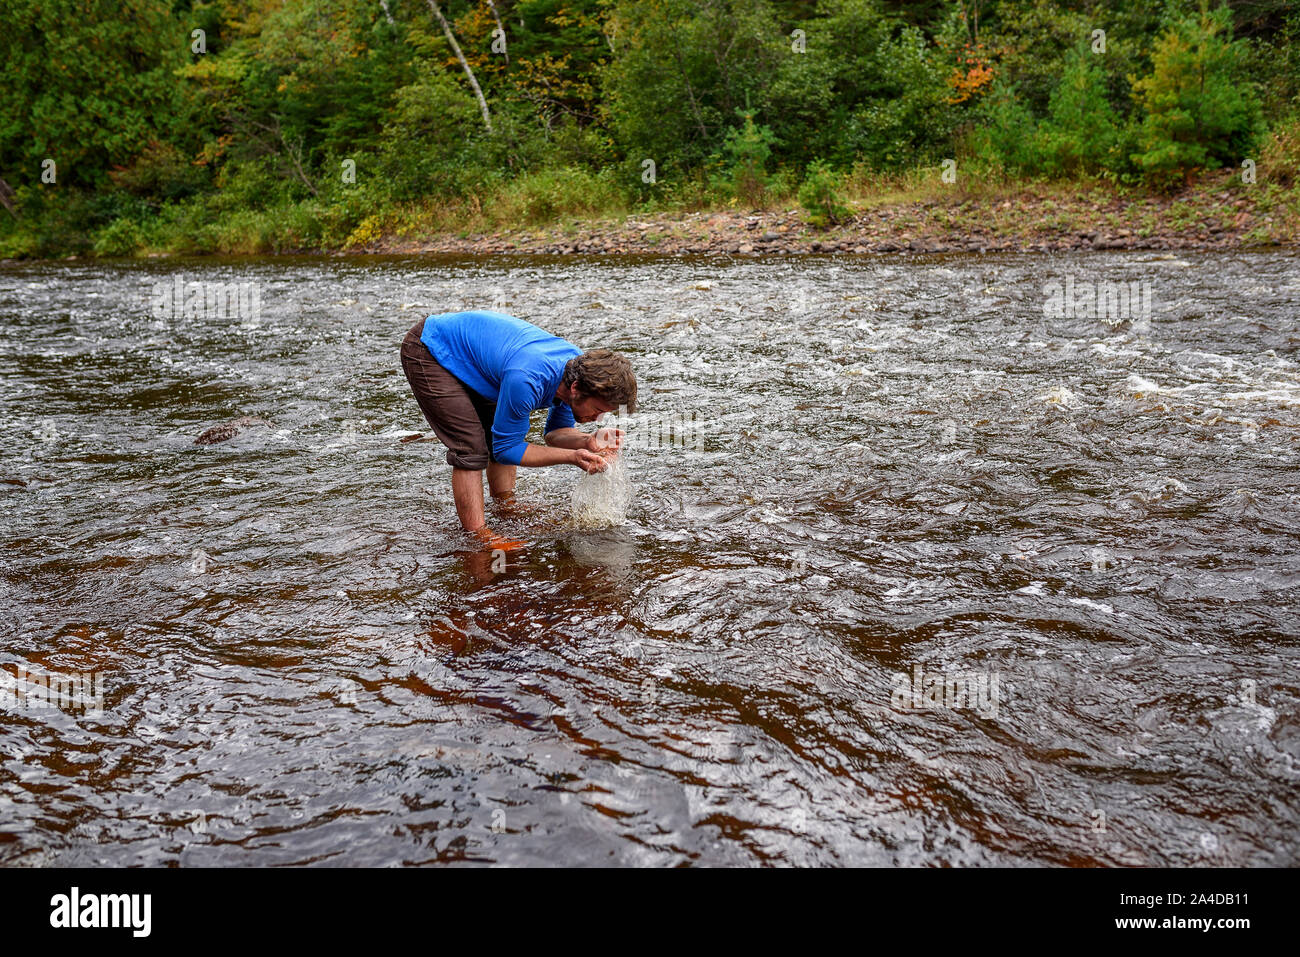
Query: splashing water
[(601, 499)]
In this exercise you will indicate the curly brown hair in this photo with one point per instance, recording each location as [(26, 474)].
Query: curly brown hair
[(604, 374)]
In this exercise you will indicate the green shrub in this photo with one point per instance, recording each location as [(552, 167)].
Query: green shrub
[(910, 119), (1003, 135), (551, 194), (1081, 133), (574, 145), (679, 71), (1034, 41), (160, 170), (820, 195), (1279, 160), (17, 242), (746, 150), (121, 237)]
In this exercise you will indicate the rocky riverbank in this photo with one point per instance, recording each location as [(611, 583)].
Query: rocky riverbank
[(1220, 215)]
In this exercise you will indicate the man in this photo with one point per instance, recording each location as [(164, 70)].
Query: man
[(478, 375)]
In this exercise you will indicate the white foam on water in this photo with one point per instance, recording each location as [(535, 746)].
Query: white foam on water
[(1063, 397), (1138, 386), (601, 499)]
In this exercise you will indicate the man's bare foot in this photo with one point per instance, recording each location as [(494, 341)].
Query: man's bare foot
[(494, 541)]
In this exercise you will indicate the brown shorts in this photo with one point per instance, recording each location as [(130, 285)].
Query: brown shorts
[(460, 416)]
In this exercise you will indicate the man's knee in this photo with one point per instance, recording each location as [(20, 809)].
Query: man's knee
[(469, 461)]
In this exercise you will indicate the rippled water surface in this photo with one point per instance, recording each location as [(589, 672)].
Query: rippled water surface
[(903, 469)]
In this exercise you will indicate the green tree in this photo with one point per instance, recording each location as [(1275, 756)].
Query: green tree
[(868, 87), (1081, 132), (88, 85), (1198, 107), (681, 69), (1002, 137), (747, 149)]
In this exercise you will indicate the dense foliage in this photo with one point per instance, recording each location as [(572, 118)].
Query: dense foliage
[(273, 124)]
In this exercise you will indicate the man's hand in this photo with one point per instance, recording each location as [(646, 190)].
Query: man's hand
[(605, 441), (589, 461)]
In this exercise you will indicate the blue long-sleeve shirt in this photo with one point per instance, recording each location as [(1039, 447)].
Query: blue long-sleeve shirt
[(507, 361)]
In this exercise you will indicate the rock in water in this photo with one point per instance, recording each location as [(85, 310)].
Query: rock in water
[(228, 430), (601, 499)]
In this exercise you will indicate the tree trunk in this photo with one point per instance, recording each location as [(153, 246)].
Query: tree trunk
[(497, 17), (464, 64), (7, 198)]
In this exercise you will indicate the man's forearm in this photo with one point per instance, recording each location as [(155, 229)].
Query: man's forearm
[(535, 455), (568, 439)]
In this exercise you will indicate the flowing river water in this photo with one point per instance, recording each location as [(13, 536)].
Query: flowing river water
[(877, 474)]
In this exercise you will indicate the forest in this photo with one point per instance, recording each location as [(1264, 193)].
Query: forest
[(130, 127)]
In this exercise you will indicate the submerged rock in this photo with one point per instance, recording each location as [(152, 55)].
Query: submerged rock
[(228, 430)]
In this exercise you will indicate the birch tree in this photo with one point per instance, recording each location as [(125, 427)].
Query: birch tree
[(464, 64)]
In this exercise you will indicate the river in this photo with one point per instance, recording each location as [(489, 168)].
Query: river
[(878, 473)]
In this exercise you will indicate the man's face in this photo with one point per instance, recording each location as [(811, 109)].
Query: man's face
[(588, 408)]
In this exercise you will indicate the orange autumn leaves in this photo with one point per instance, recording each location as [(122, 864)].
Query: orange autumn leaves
[(973, 73)]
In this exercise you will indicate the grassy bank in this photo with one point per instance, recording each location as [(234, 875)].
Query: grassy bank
[(573, 211), (915, 212)]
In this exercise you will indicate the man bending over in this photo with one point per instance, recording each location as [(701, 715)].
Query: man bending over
[(479, 375)]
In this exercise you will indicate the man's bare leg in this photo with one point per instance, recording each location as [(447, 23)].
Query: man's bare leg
[(501, 480), (467, 490)]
